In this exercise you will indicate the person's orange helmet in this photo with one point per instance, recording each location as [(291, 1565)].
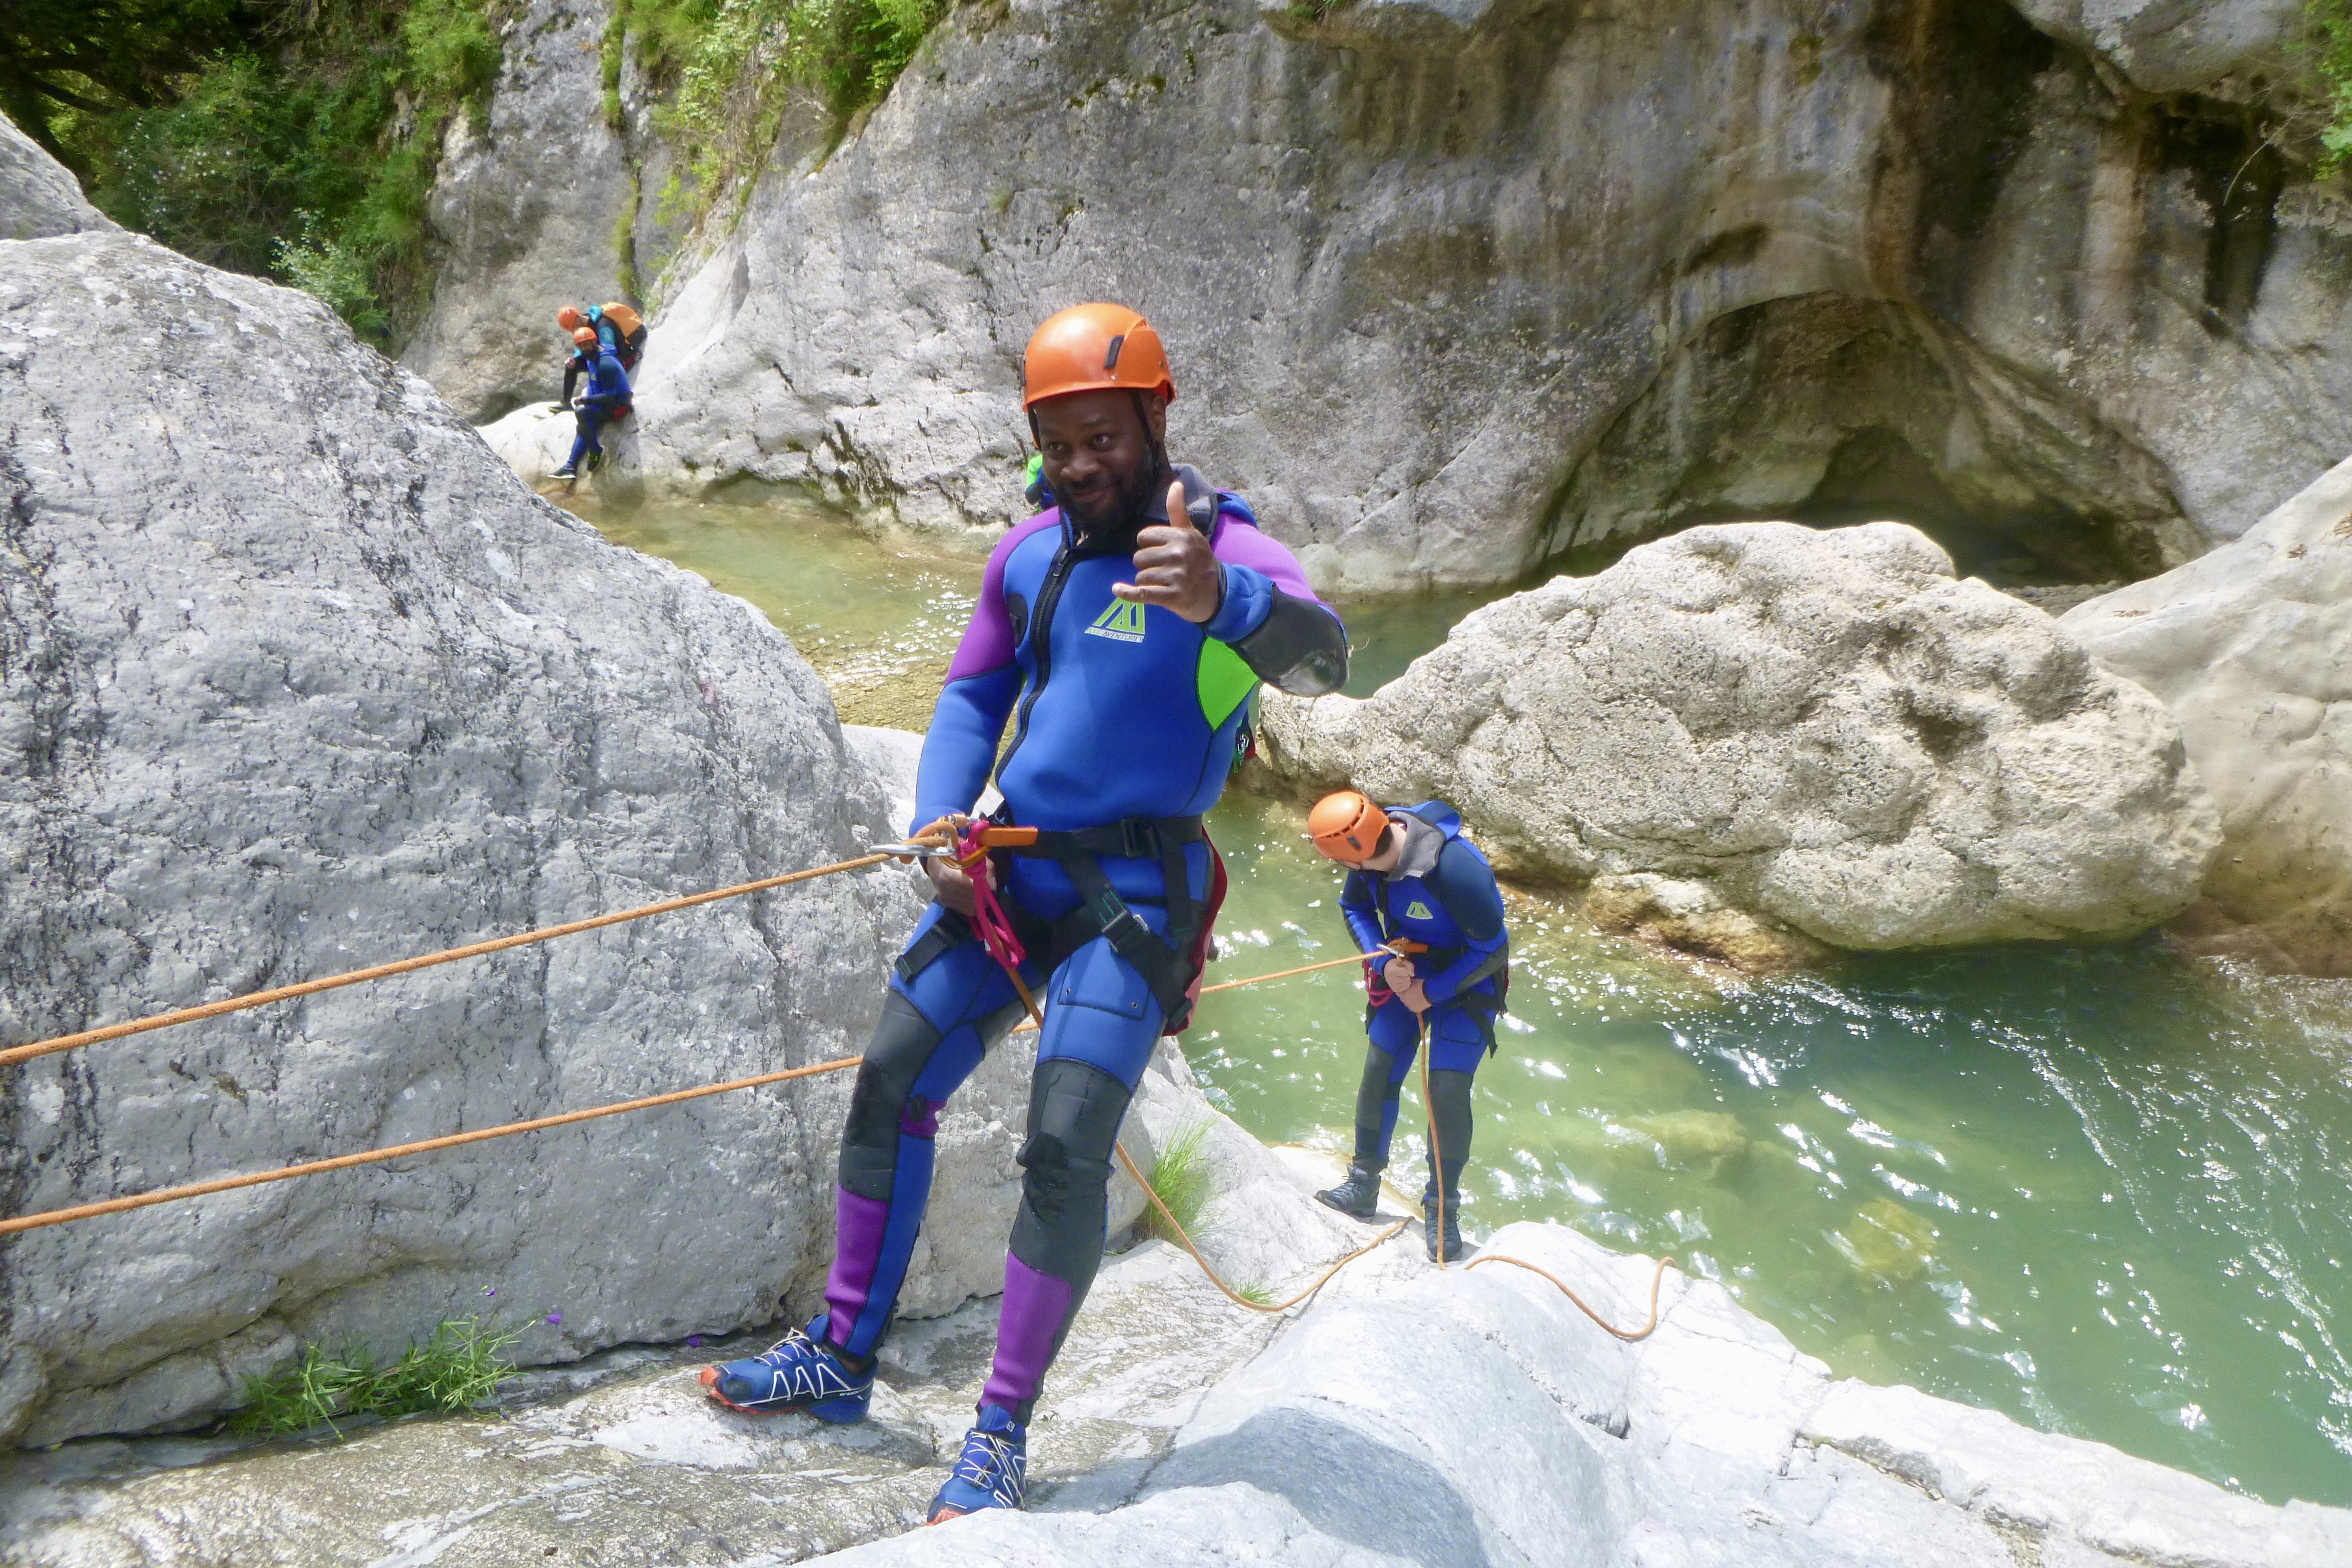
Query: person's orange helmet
[(584, 336), (1093, 348), (568, 318), (1347, 826)]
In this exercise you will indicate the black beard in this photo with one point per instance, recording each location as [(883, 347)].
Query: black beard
[(1125, 513)]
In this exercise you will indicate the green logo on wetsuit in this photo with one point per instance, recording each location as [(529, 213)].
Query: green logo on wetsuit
[(1417, 910), (1122, 622)]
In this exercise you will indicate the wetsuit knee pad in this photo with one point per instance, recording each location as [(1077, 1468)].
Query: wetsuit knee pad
[(904, 1043), (1074, 1111)]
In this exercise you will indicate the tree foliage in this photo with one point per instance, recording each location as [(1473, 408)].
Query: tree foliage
[(293, 137)]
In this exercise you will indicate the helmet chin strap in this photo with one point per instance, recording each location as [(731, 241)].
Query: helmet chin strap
[(1162, 471)]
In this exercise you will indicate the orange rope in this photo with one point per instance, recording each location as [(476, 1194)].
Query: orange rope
[(1031, 1022), (426, 1146), (1641, 1333), (1240, 1301), (1127, 1162), (385, 971)]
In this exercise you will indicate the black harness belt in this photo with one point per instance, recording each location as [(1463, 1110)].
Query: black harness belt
[(1166, 966)]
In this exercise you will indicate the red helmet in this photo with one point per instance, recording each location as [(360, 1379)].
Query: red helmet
[(1347, 826), (1093, 348)]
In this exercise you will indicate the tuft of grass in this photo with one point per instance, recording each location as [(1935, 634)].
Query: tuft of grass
[(1180, 1179), (462, 1365), (1257, 1293)]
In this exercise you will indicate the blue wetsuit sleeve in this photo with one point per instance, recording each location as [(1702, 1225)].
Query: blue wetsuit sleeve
[(1362, 915), (1269, 616), (1465, 886), (960, 745)]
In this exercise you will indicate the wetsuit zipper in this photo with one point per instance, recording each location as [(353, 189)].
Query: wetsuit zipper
[(1041, 636)]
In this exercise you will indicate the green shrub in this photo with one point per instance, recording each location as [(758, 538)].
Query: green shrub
[(460, 1366), (303, 145), (731, 66), (2327, 50)]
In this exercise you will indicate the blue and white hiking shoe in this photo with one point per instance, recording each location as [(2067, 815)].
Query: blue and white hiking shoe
[(799, 1373), (992, 1471)]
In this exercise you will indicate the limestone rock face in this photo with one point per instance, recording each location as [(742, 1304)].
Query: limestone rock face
[(2251, 648), (1452, 288), (2164, 47), (524, 216), (39, 197), (295, 677), (1822, 726)]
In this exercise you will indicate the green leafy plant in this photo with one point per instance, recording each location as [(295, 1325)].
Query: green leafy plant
[(1180, 1178), (462, 1365), (2328, 50), (732, 67), (270, 137)]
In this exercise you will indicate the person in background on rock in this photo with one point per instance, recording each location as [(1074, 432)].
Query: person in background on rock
[(606, 399), (1129, 630), (1413, 881), (618, 328)]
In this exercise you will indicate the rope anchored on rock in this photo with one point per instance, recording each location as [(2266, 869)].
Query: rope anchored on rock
[(923, 845)]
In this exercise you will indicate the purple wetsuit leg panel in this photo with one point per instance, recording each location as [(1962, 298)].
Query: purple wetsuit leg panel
[(1035, 1310), (858, 1226)]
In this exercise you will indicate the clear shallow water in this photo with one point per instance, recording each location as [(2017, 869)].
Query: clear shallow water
[(2100, 1189)]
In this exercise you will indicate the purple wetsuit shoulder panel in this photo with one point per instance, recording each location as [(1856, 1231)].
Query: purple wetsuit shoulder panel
[(988, 637), (1239, 543)]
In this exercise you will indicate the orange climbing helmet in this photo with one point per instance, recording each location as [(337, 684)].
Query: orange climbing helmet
[(1347, 826), (1093, 348), (570, 319), (584, 336)]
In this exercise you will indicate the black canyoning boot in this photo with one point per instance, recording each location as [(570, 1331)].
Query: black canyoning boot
[(1357, 1197), (1451, 1227)]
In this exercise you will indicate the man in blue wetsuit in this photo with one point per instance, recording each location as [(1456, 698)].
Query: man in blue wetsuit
[(1415, 884), (606, 399), (1123, 636)]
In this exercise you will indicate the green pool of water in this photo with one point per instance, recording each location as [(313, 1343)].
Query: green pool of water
[(2102, 1189)]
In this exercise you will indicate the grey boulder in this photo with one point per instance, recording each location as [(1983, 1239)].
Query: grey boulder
[(1823, 728), (39, 197), (299, 678), (2251, 648)]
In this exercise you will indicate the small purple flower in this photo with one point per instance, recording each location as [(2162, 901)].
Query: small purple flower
[(489, 1289), (694, 1342), (555, 1319)]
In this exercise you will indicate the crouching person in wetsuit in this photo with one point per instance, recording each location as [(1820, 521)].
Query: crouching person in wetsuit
[(606, 399), (1123, 636), (1415, 884)]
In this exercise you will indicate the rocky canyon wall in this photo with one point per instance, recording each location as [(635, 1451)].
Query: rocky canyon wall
[(1453, 288), (295, 677)]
